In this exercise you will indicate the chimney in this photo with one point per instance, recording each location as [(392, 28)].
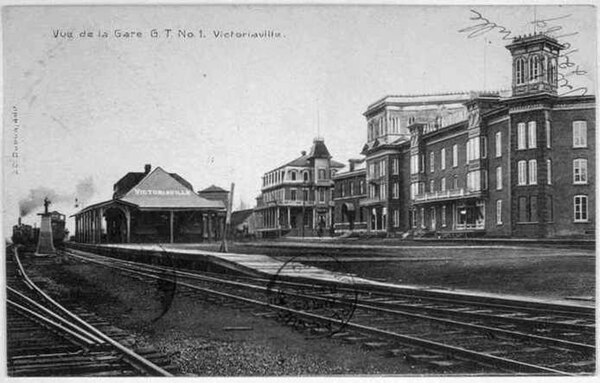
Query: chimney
[(351, 164), (303, 152), (147, 168), (19, 221)]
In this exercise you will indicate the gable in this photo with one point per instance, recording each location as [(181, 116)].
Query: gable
[(160, 189)]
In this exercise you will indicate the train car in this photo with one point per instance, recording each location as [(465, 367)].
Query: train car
[(59, 232), (25, 235), (28, 236)]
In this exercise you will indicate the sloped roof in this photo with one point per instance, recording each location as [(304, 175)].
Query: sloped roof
[(238, 217), (336, 164), (319, 150), (131, 179), (161, 190), (213, 189), (300, 161)]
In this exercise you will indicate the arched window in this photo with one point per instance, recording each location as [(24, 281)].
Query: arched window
[(543, 66), (552, 71), (305, 175), (534, 68), (520, 71), (293, 175)]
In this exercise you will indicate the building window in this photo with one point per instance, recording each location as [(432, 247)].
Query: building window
[(521, 136), (498, 144), (483, 147), (499, 212), (548, 134), (443, 158), (522, 172), (580, 208), (580, 171), (552, 71), (431, 186), (422, 217), (523, 216), (321, 174), (499, 178), (534, 68), (414, 164), (293, 195), (305, 195), (321, 195), (305, 175), (455, 182), (579, 134), (533, 210), (454, 155), (550, 208), (443, 184), (396, 217), (520, 71), (351, 187), (395, 166), (549, 167), (484, 179), (444, 216), (473, 149), (532, 134), (293, 175), (396, 190), (432, 162), (532, 172), (474, 181)]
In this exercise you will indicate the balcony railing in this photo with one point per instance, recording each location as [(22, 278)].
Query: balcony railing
[(446, 195)]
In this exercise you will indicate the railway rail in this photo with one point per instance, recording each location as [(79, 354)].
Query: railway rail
[(453, 334), (47, 339)]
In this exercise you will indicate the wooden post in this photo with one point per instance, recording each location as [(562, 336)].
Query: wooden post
[(227, 226), (128, 220), (171, 226)]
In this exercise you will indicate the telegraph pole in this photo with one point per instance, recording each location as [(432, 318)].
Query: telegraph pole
[(227, 229)]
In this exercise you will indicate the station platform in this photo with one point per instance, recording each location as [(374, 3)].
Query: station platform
[(269, 267)]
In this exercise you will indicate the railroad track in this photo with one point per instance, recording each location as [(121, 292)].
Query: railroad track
[(46, 339), (452, 334)]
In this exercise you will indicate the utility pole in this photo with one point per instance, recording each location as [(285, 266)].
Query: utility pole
[(227, 229)]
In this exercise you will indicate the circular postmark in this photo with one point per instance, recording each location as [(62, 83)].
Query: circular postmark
[(303, 301)]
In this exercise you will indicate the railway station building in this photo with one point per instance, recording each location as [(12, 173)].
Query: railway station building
[(515, 163), (153, 206), (296, 197)]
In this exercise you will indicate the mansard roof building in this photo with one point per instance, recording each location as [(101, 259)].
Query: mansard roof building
[(296, 197), (510, 164)]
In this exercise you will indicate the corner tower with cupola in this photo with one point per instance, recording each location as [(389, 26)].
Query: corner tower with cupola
[(535, 68)]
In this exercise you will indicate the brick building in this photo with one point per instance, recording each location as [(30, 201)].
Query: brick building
[(518, 164), (296, 198), (349, 192)]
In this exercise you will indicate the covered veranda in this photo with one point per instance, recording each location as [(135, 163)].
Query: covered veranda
[(118, 221)]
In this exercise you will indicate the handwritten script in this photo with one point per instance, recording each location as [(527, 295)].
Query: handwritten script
[(566, 66)]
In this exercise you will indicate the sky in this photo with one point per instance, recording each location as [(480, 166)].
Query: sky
[(223, 110)]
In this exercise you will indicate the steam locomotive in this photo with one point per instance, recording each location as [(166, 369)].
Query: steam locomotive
[(28, 236)]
